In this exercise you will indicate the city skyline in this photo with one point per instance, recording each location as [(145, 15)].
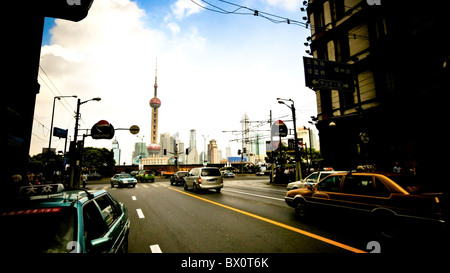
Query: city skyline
[(207, 81)]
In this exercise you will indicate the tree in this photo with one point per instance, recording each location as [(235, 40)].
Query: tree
[(99, 160)]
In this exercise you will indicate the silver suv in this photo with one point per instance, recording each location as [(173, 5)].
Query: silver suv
[(204, 178)]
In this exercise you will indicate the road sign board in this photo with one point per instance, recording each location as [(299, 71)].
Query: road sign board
[(323, 74), (134, 129), (58, 132), (364, 138), (279, 129)]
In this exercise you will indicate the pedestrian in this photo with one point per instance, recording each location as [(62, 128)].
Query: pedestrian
[(397, 168), (84, 179)]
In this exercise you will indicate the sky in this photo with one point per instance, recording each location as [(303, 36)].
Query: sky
[(212, 69)]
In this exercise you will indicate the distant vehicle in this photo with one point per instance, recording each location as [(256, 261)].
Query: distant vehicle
[(123, 180), (392, 201), (94, 176), (260, 173), (48, 219), (311, 180), (134, 173), (204, 178), (178, 177), (228, 174), (145, 176)]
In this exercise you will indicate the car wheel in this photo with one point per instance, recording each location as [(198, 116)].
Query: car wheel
[(218, 190), (301, 209), (112, 185), (195, 188), (185, 187)]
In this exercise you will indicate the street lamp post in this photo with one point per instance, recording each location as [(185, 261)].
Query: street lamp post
[(75, 172), (298, 168), (51, 124)]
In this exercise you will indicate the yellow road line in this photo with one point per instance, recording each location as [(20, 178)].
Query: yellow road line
[(306, 233)]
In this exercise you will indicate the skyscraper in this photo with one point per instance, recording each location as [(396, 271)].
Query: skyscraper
[(213, 152), (192, 157), (116, 151), (154, 148)]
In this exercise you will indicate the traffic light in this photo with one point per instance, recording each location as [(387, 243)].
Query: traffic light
[(165, 152), (239, 152)]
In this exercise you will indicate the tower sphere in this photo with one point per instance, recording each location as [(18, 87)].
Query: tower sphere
[(153, 149), (155, 103)]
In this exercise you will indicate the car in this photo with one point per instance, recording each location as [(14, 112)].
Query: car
[(204, 178), (123, 180), (48, 219), (94, 176), (311, 179), (391, 201), (145, 176), (178, 177), (228, 174)]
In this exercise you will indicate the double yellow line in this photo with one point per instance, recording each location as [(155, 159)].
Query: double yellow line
[(306, 233)]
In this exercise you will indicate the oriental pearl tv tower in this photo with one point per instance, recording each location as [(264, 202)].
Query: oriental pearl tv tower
[(154, 148)]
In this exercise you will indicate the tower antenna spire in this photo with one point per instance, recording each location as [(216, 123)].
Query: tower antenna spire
[(156, 78)]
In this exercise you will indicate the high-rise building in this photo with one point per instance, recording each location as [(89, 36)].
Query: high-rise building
[(247, 140), (116, 151), (139, 152), (154, 148), (192, 157), (213, 152)]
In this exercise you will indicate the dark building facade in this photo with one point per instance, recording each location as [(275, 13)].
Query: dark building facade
[(400, 54), (22, 31)]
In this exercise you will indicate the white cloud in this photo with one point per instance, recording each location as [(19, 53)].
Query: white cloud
[(175, 28), (184, 8)]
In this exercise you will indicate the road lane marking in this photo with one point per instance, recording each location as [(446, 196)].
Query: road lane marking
[(155, 249), (133, 197), (140, 213), (303, 232), (257, 195)]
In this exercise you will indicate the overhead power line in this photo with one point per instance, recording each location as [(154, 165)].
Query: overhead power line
[(243, 10)]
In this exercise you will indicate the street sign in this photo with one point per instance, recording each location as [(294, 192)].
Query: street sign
[(364, 138), (134, 129), (58, 132), (279, 129), (323, 74), (102, 130)]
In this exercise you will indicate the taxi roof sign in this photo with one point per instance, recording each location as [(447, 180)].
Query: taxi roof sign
[(41, 189)]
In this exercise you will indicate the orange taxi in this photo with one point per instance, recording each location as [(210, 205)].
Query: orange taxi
[(391, 200)]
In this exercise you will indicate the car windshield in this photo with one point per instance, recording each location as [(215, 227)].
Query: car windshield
[(41, 230), (181, 174), (125, 175), (211, 172)]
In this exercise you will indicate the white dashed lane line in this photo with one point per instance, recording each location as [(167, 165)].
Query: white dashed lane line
[(140, 213), (155, 249)]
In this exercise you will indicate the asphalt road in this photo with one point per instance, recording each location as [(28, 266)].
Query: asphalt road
[(248, 216)]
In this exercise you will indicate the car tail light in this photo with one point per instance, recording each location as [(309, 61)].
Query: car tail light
[(199, 180)]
